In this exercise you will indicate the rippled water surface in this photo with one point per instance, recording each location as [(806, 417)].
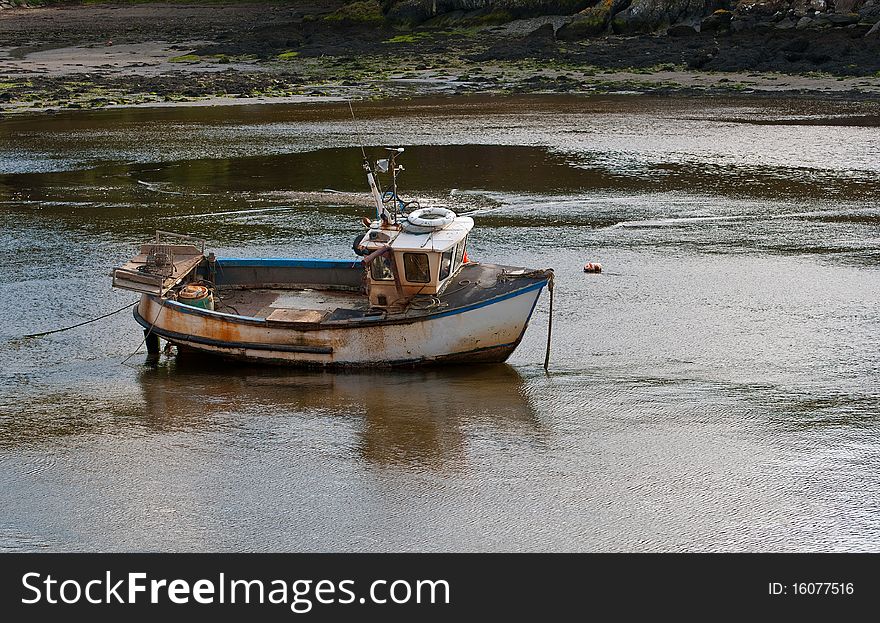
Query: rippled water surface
[(715, 388)]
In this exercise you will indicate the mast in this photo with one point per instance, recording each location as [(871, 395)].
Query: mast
[(384, 217)]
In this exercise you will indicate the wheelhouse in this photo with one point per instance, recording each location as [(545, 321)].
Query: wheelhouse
[(403, 265)]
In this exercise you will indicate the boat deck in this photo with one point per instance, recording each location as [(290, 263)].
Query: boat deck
[(289, 304), (471, 285)]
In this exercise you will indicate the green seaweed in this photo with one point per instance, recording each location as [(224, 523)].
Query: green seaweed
[(412, 37), (186, 58)]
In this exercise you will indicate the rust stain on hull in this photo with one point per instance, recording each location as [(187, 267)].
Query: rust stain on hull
[(482, 335)]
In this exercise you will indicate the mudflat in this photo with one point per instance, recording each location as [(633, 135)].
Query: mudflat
[(107, 55)]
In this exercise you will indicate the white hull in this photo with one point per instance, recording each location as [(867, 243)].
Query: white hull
[(488, 332)]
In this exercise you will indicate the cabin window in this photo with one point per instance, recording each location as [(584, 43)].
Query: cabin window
[(415, 267), (446, 264), (459, 251), (381, 270)]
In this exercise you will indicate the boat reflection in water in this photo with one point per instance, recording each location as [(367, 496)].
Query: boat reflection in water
[(420, 417)]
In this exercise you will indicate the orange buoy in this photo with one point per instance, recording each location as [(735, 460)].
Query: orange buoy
[(592, 267), (464, 258)]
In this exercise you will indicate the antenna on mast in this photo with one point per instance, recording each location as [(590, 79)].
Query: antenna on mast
[(356, 130), (384, 217)]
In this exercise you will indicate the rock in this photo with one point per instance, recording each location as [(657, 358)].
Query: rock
[(699, 60), (874, 33), (797, 45), (591, 21), (804, 22), (847, 6), (718, 21), (542, 34), (645, 16), (681, 30), (419, 11), (843, 20), (741, 23), (761, 8), (785, 24), (870, 11), (857, 31), (818, 5), (407, 11), (539, 43)]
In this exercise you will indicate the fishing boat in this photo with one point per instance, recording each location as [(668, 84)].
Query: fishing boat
[(410, 296)]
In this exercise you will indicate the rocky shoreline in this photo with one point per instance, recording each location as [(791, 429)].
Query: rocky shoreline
[(106, 55)]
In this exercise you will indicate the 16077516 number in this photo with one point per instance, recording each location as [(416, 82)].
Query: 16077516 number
[(823, 588), (811, 588)]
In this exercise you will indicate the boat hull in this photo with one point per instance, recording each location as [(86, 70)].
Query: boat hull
[(485, 332)]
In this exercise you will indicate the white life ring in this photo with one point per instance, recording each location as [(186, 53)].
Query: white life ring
[(426, 220)]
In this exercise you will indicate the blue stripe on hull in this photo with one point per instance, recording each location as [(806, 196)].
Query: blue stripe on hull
[(198, 311), (492, 301), (287, 262)]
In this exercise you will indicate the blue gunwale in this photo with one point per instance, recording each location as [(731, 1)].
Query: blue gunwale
[(288, 262), (342, 324)]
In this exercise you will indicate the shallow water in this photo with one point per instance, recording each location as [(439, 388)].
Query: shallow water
[(715, 388)]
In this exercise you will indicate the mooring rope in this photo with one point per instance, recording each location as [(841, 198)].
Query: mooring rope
[(146, 335), (81, 323), (549, 322)]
